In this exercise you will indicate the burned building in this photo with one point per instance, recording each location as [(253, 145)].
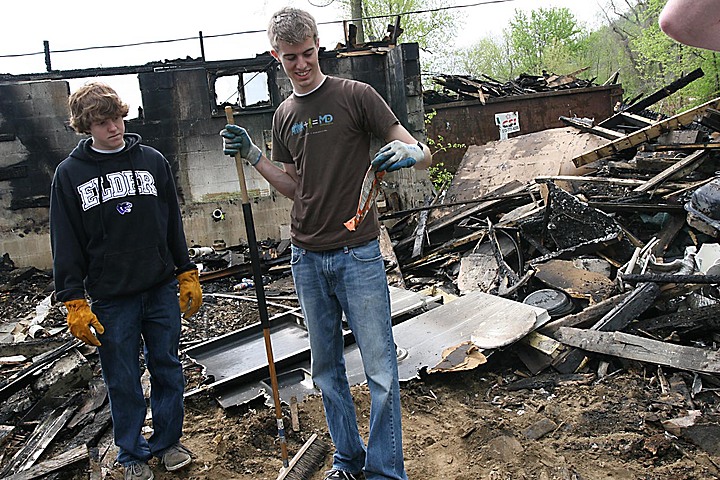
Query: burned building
[(181, 116)]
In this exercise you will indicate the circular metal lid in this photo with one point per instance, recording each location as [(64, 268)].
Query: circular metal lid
[(554, 301)]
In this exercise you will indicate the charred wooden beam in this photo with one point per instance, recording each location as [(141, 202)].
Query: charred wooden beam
[(594, 129), (39, 440), (636, 207), (641, 298), (439, 206), (691, 162), (54, 464), (620, 182), (668, 233), (632, 347), (618, 318), (25, 376), (670, 278), (707, 316), (511, 188), (665, 91)]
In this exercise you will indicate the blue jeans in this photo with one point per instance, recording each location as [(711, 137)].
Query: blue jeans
[(353, 281), (154, 317)]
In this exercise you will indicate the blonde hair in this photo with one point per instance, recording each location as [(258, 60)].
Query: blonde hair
[(94, 102), (291, 25)]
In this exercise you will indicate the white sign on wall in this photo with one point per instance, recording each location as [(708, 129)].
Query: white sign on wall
[(507, 123)]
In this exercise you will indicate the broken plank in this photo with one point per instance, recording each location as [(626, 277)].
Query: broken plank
[(620, 182), (511, 188), (5, 433), (641, 298), (670, 230), (692, 159), (392, 269), (645, 134), (594, 129), (63, 460), (632, 347), (420, 234), (681, 146), (707, 315), (94, 399), (670, 278), (542, 343), (26, 375), (446, 248), (610, 207), (39, 440)]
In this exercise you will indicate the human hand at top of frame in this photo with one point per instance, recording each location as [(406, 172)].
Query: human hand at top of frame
[(396, 155), (236, 140)]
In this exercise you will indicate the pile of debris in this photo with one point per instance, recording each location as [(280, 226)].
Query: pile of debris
[(465, 87), (611, 228), (580, 250)]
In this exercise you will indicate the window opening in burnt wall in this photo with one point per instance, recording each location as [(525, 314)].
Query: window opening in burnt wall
[(242, 90)]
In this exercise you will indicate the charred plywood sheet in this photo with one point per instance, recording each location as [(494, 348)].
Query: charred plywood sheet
[(576, 282), (550, 152)]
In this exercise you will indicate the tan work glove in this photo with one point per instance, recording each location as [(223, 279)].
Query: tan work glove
[(190, 293), (79, 320)]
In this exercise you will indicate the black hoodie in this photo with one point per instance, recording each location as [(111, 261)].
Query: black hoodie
[(115, 223)]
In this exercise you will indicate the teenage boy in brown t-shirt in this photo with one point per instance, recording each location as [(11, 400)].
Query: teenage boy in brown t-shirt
[(321, 136)]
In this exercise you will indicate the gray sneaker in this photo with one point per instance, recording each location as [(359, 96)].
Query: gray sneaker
[(138, 471), (176, 457)]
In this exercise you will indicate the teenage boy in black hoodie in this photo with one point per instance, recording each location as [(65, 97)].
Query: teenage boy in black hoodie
[(117, 237)]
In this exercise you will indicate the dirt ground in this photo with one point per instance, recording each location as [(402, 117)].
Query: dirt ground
[(495, 422)]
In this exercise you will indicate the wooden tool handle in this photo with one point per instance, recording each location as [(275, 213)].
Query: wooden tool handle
[(238, 159)]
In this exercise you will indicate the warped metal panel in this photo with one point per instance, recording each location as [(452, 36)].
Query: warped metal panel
[(240, 358), (420, 342)]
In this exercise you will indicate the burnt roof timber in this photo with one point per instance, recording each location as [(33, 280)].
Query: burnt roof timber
[(260, 62)]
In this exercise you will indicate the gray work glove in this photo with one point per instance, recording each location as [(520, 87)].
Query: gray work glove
[(236, 140), (396, 155)]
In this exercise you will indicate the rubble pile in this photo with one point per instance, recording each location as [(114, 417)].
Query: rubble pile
[(465, 87)]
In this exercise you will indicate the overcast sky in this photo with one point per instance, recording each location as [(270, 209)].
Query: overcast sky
[(70, 24)]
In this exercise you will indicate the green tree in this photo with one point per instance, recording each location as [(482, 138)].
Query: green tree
[(544, 32), (629, 42), (488, 56), (545, 39)]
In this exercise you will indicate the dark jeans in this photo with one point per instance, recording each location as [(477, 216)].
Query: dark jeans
[(154, 317)]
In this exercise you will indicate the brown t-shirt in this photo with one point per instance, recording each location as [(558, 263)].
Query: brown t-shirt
[(326, 134)]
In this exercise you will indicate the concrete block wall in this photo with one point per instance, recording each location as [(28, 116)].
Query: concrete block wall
[(270, 216), (34, 138), (31, 250)]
